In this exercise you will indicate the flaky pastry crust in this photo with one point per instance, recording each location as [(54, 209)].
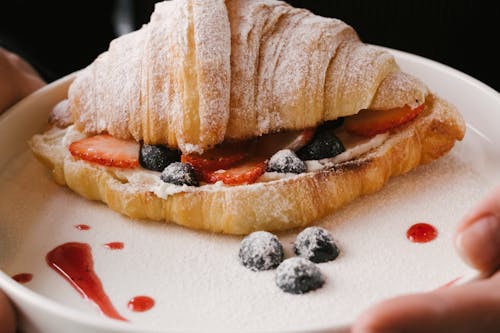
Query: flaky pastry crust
[(204, 71)]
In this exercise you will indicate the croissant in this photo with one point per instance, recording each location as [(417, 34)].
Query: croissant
[(205, 71), (203, 75)]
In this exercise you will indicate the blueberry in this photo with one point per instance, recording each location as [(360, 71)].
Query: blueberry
[(298, 276), (261, 250), (286, 161), (157, 158), (324, 145), (179, 174), (316, 244), (331, 124)]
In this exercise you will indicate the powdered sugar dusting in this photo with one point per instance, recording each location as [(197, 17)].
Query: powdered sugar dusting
[(286, 161), (279, 61), (399, 89), (204, 70), (165, 83), (261, 250), (298, 276)]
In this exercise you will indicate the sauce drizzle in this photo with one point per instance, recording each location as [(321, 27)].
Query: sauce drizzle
[(23, 277), (73, 261), (82, 227), (114, 245), (141, 303)]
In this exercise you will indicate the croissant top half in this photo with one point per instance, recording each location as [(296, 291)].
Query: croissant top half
[(204, 71)]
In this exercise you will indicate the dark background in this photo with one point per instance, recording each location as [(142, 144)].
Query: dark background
[(59, 37)]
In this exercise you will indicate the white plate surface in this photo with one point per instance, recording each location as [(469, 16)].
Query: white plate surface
[(195, 277)]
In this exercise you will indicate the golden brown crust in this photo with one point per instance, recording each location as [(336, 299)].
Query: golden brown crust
[(277, 205)]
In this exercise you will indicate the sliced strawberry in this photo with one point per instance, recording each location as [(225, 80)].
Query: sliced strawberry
[(221, 157), (269, 144), (107, 150), (245, 173), (370, 122)]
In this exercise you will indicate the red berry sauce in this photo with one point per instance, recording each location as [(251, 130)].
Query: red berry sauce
[(141, 303), (114, 245), (23, 277), (74, 262), (421, 233), (451, 283), (83, 227)]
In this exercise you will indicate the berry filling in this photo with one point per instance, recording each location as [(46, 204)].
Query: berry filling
[(157, 157), (221, 157), (370, 122), (286, 161), (243, 173), (106, 150), (179, 174), (244, 162)]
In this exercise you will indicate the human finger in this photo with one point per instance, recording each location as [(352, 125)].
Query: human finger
[(463, 309), (478, 235), (7, 316)]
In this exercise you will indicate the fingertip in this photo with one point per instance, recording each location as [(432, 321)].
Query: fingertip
[(479, 243), (401, 314), (489, 205), (7, 315)]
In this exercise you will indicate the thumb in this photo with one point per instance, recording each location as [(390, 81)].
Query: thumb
[(463, 309), (478, 234), (7, 323)]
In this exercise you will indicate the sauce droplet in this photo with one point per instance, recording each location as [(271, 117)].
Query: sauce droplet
[(74, 262), (421, 233), (141, 303), (114, 245), (23, 277), (82, 227)]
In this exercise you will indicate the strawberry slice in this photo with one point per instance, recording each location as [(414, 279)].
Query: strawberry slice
[(245, 173), (370, 122), (107, 150), (221, 157), (269, 144)]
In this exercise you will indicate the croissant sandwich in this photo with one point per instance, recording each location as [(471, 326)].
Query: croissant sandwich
[(241, 115)]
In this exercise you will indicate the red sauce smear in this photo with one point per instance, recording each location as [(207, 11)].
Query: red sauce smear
[(451, 283), (141, 303), (114, 245), (74, 262), (23, 277), (421, 233), (82, 227)]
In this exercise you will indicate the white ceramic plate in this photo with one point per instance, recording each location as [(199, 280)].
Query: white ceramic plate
[(195, 277)]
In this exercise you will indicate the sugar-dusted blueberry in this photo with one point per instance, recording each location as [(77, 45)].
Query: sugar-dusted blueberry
[(179, 174), (316, 244), (286, 161), (260, 251), (298, 276), (157, 157), (324, 145)]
